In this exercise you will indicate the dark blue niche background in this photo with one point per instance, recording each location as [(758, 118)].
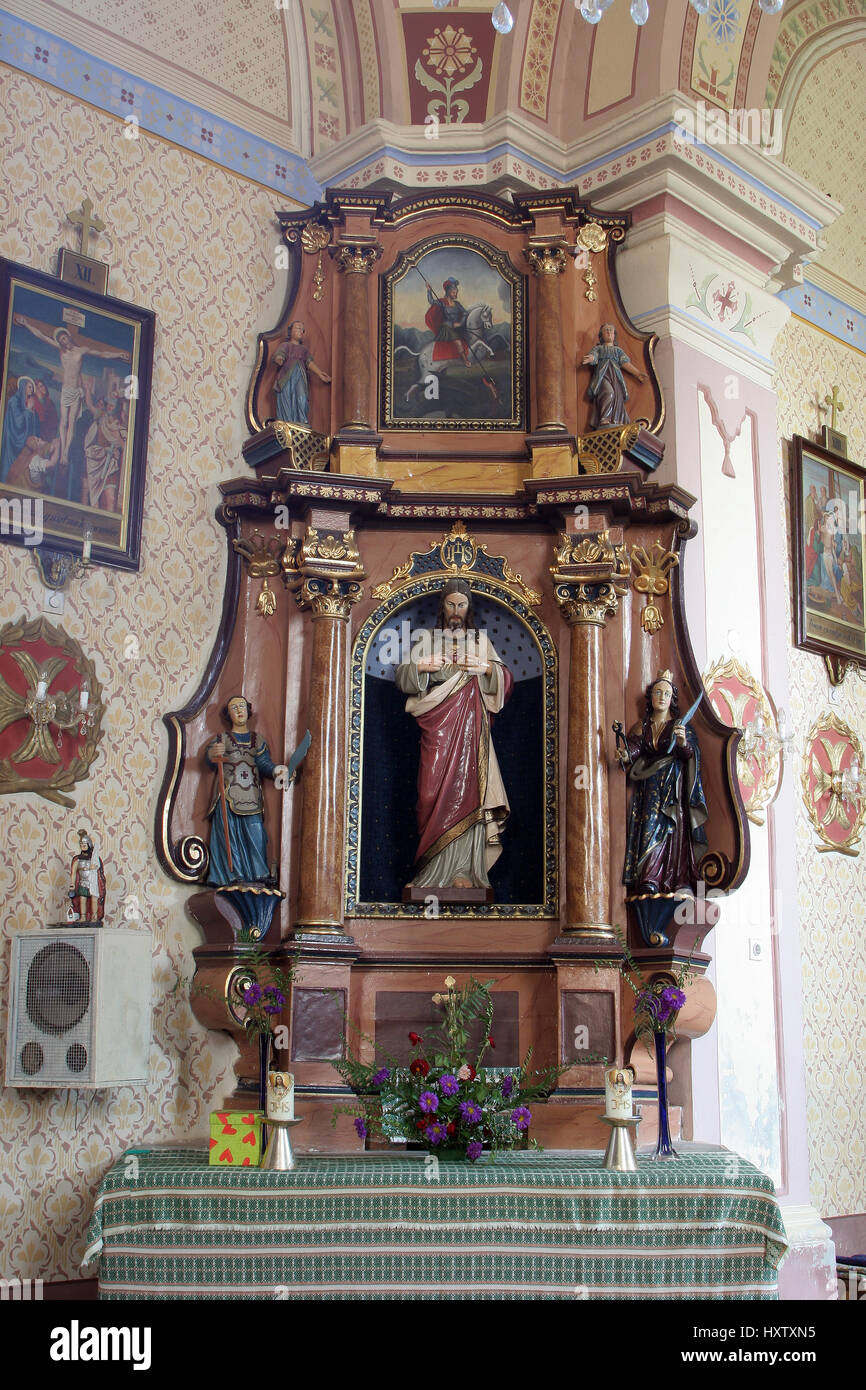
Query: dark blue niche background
[(390, 751)]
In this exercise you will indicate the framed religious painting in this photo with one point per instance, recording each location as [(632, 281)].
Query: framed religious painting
[(828, 494), (74, 406), (452, 339)]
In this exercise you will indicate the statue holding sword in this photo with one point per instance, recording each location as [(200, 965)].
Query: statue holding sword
[(662, 760)]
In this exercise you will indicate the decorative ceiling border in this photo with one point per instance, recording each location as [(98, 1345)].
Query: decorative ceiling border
[(41, 55), (799, 25), (828, 314)]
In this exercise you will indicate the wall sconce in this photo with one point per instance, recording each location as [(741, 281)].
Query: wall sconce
[(741, 702), (833, 785), (48, 687), (57, 567)]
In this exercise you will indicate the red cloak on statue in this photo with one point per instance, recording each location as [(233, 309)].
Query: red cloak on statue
[(454, 777)]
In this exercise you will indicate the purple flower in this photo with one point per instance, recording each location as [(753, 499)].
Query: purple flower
[(252, 995), (507, 1087), (674, 997), (470, 1112), (380, 1076), (521, 1117), (428, 1102), (474, 1150), (448, 1084), (436, 1131), (277, 1000), (360, 1128)]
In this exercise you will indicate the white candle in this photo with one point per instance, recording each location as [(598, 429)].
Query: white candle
[(41, 688), (83, 698), (281, 1095), (618, 1082), (85, 553)]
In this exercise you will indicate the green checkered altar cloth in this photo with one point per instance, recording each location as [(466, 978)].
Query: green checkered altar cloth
[(525, 1226)]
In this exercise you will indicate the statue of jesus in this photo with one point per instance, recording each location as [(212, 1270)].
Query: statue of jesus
[(453, 690)]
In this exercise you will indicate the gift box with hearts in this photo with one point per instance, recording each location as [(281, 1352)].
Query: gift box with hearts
[(235, 1138)]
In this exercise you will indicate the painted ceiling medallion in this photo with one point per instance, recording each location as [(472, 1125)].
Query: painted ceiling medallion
[(833, 791), (741, 702)]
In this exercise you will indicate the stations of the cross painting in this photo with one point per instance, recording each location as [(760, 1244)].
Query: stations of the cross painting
[(831, 437), (77, 266)]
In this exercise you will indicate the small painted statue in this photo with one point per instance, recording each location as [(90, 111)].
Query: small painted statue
[(238, 841), (292, 385), (86, 883), (607, 389), (662, 760)]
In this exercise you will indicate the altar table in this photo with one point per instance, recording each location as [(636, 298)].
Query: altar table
[(381, 1226)]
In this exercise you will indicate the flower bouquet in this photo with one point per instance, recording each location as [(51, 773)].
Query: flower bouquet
[(262, 991), (443, 1100)]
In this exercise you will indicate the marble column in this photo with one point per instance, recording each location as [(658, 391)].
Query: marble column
[(356, 260), (328, 572), (547, 262), (588, 574)]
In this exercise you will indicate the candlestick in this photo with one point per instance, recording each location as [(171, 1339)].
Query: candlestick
[(620, 1157)]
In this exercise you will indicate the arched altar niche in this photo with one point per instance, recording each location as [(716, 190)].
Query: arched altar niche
[(384, 748)]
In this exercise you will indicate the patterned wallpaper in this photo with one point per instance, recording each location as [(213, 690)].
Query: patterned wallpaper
[(831, 888), (829, 153), (196, 245)]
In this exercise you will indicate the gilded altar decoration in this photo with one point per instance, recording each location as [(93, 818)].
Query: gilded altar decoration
[(833, 787), (324, 572), (314, 239), (651, 572), (741, 702), (310, 449), (50, 711), (589, 573), (457, 552), (263, 560)]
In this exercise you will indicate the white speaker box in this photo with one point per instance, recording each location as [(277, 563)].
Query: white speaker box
[(79, 1007)]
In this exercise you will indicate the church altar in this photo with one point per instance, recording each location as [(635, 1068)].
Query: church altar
[(377, 1227)]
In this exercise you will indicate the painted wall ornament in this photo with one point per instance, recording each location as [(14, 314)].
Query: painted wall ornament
[(833, 788), (662, 761)]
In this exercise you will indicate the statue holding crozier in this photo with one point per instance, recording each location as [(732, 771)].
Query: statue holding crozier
[(455, 684)]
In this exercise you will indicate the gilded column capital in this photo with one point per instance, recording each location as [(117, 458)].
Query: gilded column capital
[(589, 572), (355, 257), (325, 571), (547, 259), (587, 603), (329, 598)]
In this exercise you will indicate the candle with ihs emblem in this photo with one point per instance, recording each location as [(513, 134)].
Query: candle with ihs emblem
[(618, 1082)]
